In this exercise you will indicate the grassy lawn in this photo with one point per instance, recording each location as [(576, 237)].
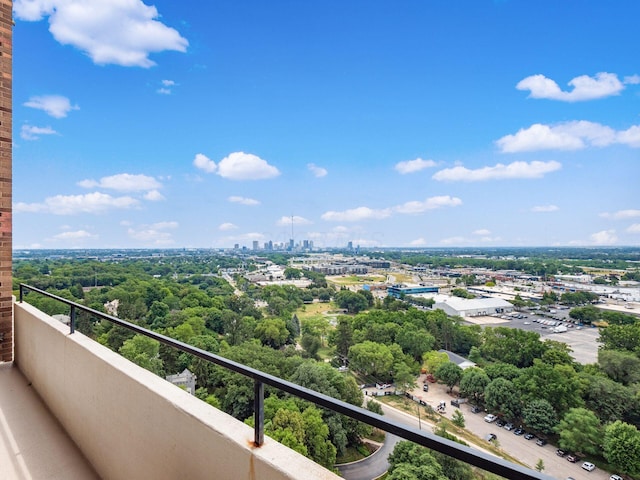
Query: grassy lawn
[(356, 279), (409, 406), (325, 353), (313, 309)]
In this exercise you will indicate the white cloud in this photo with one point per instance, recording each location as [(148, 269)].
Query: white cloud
[(632, 80), (604, 237), (418, 242), (123, 32), (203, 162), (453, 241), (544, 208), (286, 221), (622, 214), (166, 87), (432, 203), (237, 166), (535, 169), (318, 172), (482, 231), (75, 204), (245, 166), (56, 106), (635, 228), (584, 87), (123, 182), (407, 208), (356, 215), (153, 196), (243, 200), (227, 226), (411, 166), (574, 135), (154, 234), (30, 132), (77, 235)]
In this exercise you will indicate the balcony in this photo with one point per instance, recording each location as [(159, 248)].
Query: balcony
[(72, 409), (97, 415)]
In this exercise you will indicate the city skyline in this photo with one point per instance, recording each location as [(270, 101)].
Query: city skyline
[(449, 124)]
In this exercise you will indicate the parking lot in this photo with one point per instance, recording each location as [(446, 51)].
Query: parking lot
[(582, 340), (516, 445)]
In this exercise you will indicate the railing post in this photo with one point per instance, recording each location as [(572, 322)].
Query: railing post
[(72, 321), (21, 292), (258, 415)]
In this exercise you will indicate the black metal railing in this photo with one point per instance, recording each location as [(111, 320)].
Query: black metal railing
[(466, 454)]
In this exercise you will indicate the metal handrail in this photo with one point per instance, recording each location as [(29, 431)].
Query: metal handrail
[(466, 454)]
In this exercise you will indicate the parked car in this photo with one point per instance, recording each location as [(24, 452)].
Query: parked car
[(588, 466), (518, 431), (615, 477), (490, 418), (425, 387), (572, 458), (490, 437), (475, 409), (561, 453), (509, 426), (500, 423), (529, 436), (541, 442)]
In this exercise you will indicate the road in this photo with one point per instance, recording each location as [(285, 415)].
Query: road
[(524, 450), (374, 465)]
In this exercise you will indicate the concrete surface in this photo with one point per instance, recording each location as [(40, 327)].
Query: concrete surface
[(33, 445)]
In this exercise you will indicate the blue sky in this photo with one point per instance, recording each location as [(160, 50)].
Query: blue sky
[(398, 124)]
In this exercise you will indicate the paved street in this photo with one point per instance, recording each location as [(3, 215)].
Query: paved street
[(525, 450)]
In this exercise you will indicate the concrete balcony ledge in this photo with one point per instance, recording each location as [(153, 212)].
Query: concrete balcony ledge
[(131, 424)]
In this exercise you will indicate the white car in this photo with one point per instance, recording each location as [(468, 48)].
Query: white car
[(615, 477), (588, 466), (490, 418)]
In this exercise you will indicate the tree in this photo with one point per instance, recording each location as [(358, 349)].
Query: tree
[(410, 461), (449, 373), (622, 367), (580, 431), (353, 302), (290, 273), (588, 314), (371, 358), (415, 342), (621, 337), (473, 382), (272, 332), (143, 351), (432, 360), (458, 418), (375, 407), (610, 400), (540, 416), (342, 336), (621, 447), (512, 345), (311, 344), (502, 396), (403, 377), (540, 465)]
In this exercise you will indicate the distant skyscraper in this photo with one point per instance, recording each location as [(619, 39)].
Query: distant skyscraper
[(255, 245), (291, 244), (350, 246)]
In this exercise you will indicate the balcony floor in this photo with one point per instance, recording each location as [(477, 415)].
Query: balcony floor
[(33, 445)]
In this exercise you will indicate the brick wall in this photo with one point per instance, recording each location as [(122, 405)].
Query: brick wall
[(6, 77)]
